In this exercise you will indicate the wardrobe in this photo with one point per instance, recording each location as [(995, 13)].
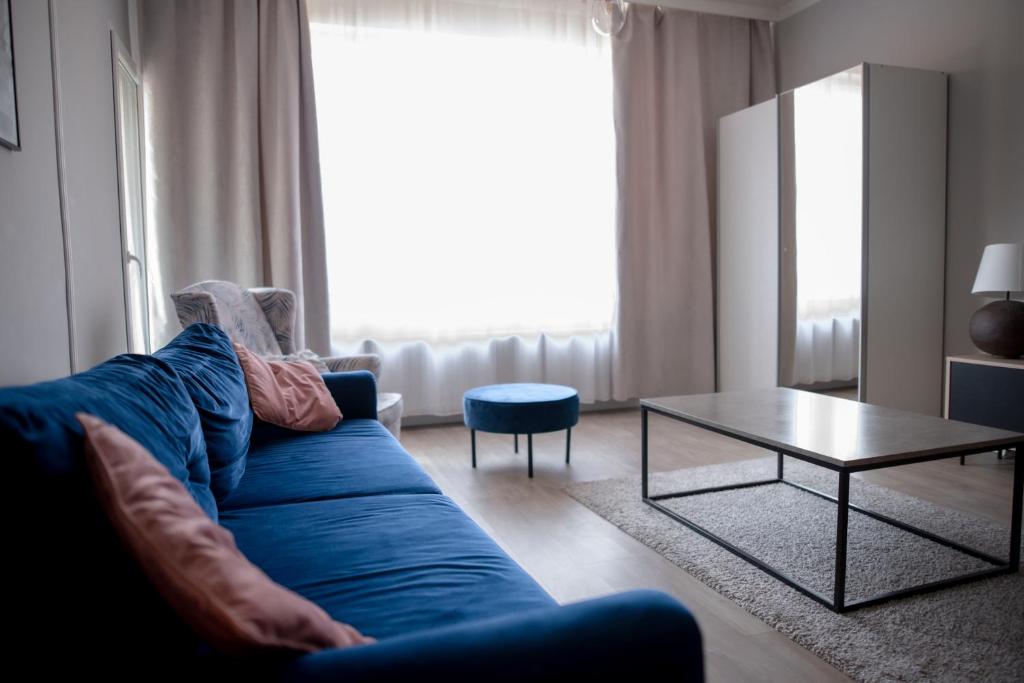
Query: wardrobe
[(831, 238)]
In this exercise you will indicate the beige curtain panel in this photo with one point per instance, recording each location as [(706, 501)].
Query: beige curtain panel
[(234, 176), (676, 73)]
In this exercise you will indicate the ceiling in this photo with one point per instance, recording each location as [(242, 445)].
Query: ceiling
[(772, 10)]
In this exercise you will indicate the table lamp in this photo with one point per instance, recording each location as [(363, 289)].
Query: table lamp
[(998, 328)]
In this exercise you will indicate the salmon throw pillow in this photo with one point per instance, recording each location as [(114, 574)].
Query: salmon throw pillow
[(289, 394), (193, 562)]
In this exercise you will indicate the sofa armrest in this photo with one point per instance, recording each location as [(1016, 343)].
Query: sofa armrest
[(633, 635), (354, 392)]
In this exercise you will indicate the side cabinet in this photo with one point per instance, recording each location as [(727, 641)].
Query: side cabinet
[(985, 390)]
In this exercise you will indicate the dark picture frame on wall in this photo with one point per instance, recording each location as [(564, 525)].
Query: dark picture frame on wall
[(10, 133)]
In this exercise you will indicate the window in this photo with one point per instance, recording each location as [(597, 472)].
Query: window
[(468, 172), (130, 189)]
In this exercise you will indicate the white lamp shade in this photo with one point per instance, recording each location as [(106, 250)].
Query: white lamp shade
[(1001, 270)]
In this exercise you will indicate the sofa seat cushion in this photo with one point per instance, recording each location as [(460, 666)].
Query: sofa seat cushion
[(356, 458), (389, 565), (206, 363)]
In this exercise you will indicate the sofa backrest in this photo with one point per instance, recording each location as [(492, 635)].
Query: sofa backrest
[(205, 361), (76, 591), (140, 395)]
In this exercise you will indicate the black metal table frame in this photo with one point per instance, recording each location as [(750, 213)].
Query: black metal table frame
[(837, 602)]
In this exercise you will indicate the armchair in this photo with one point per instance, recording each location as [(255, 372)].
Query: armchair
[(263, 320)]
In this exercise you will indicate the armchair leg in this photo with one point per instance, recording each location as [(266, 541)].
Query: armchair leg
[(472, 444)]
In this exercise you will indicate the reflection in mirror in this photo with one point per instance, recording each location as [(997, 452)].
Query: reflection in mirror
[(834, 426), (822, 177)]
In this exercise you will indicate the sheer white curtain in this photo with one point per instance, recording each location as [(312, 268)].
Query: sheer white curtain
[(468, 161), (828, 153)]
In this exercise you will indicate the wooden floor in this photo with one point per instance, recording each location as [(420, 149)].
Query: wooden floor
[(576, 554)]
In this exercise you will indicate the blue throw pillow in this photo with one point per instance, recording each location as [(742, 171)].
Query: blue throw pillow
[(207, 365)]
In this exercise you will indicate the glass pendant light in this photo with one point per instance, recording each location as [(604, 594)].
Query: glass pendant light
[(608, 16)]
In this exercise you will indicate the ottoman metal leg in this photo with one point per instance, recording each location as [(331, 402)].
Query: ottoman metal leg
[(568, 441), (529, 453), (517, 443), (472, 442)]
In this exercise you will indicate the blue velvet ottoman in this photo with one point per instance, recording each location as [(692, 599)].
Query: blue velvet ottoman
[(521, 409)]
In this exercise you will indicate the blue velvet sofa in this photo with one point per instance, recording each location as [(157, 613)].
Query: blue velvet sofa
[(346, 518)]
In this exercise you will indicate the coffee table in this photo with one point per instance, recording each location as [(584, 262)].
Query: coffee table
[(843, 436)]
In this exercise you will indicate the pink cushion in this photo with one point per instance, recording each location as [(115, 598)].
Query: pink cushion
[(194, 562), (289, 394)]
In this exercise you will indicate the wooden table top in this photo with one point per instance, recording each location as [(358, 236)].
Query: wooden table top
[(835, 432)]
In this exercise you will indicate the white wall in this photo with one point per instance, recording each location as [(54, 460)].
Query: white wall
[(979, 43), (87, 100), (33, 324), (34, 340)]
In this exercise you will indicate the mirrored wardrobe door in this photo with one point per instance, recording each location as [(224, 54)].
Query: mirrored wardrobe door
[(821, 228)]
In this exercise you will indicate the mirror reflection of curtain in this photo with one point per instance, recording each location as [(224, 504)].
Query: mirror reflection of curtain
[(827, 154)]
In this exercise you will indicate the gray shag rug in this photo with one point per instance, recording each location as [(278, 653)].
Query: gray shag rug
[(973, 632)]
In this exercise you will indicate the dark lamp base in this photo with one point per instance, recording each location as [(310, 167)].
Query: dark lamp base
[(998, 328)]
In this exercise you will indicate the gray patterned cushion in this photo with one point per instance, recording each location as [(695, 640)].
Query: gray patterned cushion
[(306, 355), (279, 308), (237, 311), (359, 361)]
